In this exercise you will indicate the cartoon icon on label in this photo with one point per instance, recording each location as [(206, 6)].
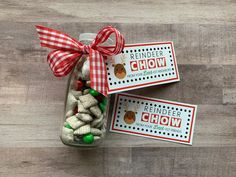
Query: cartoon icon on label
[(130, 114), (119, 68)]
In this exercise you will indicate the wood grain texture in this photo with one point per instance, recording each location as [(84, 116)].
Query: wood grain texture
[(194, 43), (132, 11), (28, 101), (229, 91), (38, 126), (32, 99), (122, 162)]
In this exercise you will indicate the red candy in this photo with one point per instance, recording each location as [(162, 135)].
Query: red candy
[(75, 110), (99, 98), (78, 85)]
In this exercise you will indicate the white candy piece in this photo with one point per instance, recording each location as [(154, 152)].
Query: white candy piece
[(74, 122), (81, 108), (100, 124), (83, 130), (69, 113), (96, 138), (71, 102), (76, 94), (88, 83), (67, 135), (105, 113), (96, 131), (88, 101), (84, 117), (96, 111), (86, 91), (86, 70), (95, 122)]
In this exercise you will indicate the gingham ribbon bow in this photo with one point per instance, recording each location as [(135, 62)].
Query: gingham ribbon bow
[(69, 50)]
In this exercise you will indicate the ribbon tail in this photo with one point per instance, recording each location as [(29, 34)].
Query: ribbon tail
[(98, 72)]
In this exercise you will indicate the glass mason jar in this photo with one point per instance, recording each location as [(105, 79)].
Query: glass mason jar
[(86, 110)]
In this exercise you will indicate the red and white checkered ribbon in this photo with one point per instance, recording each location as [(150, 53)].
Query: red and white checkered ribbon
[(69, 50)]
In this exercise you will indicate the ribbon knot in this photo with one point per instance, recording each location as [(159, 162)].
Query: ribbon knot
[(68, 51), (86, 49)]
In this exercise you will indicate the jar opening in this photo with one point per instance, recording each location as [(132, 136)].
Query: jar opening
[(83, 37), (87, 36)]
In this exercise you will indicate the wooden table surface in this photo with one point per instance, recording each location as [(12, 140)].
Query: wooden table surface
[(32, 99)]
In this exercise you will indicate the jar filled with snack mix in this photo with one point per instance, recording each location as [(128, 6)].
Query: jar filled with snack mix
[(86, 106), (86, 110)]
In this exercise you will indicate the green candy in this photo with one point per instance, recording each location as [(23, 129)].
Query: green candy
[(93, 92), (68, 126), (102, 106), (88, 138), (104, 101)]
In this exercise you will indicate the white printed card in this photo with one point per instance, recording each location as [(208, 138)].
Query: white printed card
[(153, 118), (142, 65)]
